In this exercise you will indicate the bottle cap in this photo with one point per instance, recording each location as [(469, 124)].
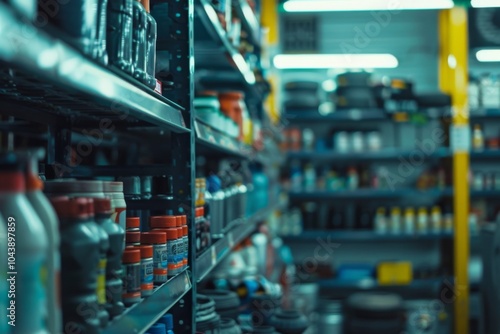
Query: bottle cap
[(133, 222), (185, 230), (172, 233), (103, 206), (146, 5), (162, 221), (12, 181), (231, 96), (153, 237), (132, 237), (184, 220), (113, 187), (168, 321), (146, 251), (178, 220), (66, 208), (131, 255)]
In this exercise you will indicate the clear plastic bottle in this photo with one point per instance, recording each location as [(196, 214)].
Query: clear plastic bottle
[(477, 138), (30, 249), (422, 221), (47, 215), (409, 221), (436, 220), (396, 220), (79, 264), (381, 221)]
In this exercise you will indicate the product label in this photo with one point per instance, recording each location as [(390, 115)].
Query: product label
[(160, 256), (147, 271), (101, 281), (120, 217), (172, 251), (132, 279)]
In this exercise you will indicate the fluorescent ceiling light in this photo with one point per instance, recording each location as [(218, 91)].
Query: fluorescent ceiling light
[(485, 3), (360, 5), (492, 55), (319, 61)]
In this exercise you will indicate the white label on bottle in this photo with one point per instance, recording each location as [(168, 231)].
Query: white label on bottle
[(460, 138)]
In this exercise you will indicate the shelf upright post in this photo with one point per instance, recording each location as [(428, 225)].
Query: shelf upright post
[(181, 64), (58, 151), (453, 67)]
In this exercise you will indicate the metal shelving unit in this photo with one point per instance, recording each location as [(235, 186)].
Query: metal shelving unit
[(383, 154), (366, 194), (249, 21), (364, 236), (241, 229), (52, 81), (141, 316)]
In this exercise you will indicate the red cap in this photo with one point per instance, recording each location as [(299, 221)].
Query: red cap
[(171, 233), (178, 220), (33, 182), (146, 251), (131, 255), (12, 181), (132, 237), (162, 221), (184, 220), (198, 212), (74, 208), (103, 206), (133, 222), (153, 237), (185, 230), (231, 95)]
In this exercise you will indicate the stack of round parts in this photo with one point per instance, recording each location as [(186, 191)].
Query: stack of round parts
[(229, 326), (207, 321), (289, 322), (355, 90), (330, 317), (30, 249), (114, 190), (79, 263), (158, 240), (147, 266), (374, 313), (226, 302), (131, 261), (133, 224), (265, 330), (116, 235)]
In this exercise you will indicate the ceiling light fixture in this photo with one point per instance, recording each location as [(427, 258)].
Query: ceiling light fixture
[(364, 5), (492, 55), (325, 61), (485, 3)]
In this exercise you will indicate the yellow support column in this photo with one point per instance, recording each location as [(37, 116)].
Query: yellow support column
[(270, 24), (453, 66)]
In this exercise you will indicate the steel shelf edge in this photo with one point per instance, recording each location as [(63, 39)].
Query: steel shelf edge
[(211, 257), (141, 316), (364, 236), (369, 155), (34, 51), (249, 21), (371, 193), (212, 22)]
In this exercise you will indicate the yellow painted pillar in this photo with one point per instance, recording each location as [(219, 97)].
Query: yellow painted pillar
[(453, 71), (270, 24)]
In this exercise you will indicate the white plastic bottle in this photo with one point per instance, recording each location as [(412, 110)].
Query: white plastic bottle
[(47, 215), (30, 250), (4, 327)]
